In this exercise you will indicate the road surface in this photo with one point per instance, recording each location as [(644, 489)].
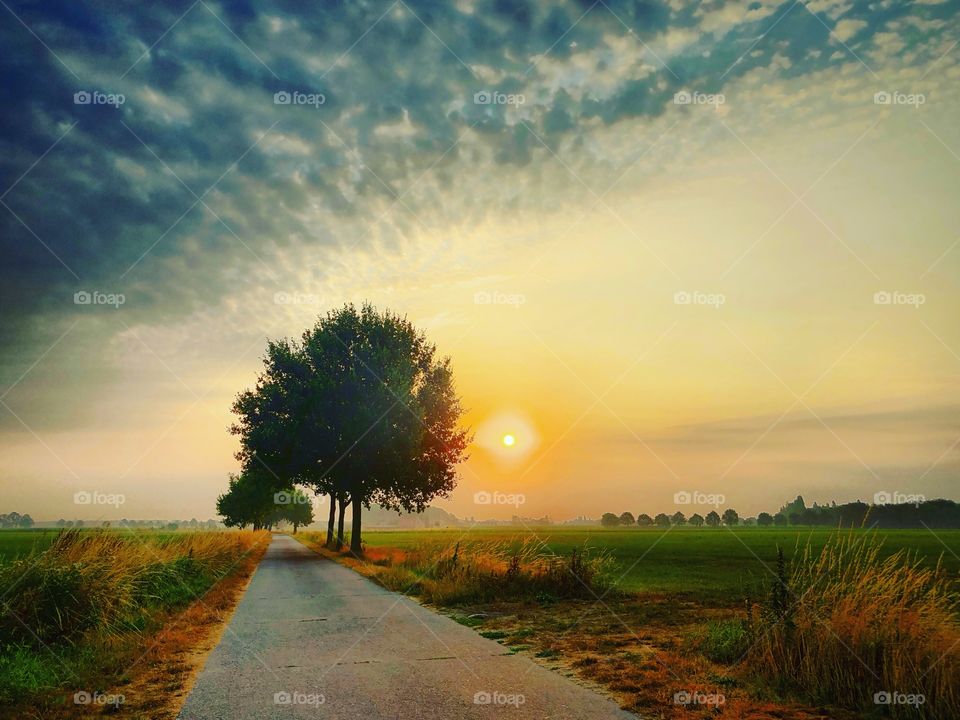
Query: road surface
[(311, 638)]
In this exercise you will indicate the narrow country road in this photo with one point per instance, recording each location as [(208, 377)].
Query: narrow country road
[(311, 638)]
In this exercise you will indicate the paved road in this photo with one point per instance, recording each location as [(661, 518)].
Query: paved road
[(311, 638)]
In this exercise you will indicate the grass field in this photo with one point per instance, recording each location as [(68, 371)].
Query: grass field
[(714, 564), (81, 607), (17, 543), (654, 614)]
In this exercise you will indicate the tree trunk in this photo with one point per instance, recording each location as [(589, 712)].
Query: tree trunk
[(295, 526), (355, 547), (332, 520), (342, 500)]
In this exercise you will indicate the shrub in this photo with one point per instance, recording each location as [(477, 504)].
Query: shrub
[(848, 624)]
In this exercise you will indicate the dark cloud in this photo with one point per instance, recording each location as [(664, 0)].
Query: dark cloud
[(106, 197)]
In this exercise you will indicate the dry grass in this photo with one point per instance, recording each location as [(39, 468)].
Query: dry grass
[(851, 624), (483, 571), (82, 613)]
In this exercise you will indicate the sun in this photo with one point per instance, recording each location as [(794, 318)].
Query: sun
[(509, 440)]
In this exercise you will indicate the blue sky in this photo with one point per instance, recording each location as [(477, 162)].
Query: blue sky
[(585, 186)]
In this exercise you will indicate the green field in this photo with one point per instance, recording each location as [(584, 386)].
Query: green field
[(17, 543), (711, 563)]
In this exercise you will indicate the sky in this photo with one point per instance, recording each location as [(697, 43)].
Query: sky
[(677, 250)]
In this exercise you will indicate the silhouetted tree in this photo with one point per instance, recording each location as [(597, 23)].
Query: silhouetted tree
[(713, 519), (644, 520), (764, 519), (678, 518), (626, 518), (662, 519), (609, 520), (779, 519), (696, 520), (362, 409), (730, 517)]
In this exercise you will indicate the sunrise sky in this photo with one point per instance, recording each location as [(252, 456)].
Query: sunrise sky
[(669, 246)]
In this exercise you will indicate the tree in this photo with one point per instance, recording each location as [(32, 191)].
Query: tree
[(779, 519), (609, 520), (662, 519), (678, 518), (730, 517), (712, 518), (764, 519), (696, 520), (644, 520), (626, 518), (248, 501), (294, 507), (362, 409)]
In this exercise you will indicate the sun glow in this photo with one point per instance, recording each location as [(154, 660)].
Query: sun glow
[(509, 440)]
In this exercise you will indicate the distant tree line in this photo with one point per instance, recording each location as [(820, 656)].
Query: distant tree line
[(15, 520), (929, 513), (711, 519)]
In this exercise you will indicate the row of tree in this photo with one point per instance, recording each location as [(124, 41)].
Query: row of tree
[(361, 409), (15, 520), (929, 513), (942, 514), (251, 503), (712, 519)]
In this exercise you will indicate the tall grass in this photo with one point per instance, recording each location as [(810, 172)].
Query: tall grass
[(97, 589), (478, 572), (846, 625)]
